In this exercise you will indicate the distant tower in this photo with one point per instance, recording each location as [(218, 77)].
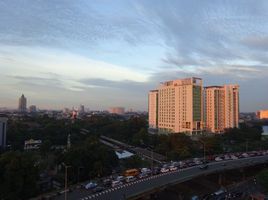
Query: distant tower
[(81, 110), (69, 141), (22, 104)]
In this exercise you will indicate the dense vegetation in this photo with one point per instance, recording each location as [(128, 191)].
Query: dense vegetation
[(263, 179), (87, 158), (19, 175)]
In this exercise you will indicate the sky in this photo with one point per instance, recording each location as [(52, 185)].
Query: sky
[(104, 53)]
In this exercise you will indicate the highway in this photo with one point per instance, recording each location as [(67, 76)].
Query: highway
[(130, 190)]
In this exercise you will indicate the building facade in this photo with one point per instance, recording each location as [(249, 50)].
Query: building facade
[(32, 109), (3, 129), (178, 106), (22, 104), (153, 109), (221, 108), (262, 114)]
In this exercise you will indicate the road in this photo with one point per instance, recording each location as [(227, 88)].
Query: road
[(148, 184)]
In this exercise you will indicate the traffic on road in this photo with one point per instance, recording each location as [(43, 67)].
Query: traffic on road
[(93, 188)]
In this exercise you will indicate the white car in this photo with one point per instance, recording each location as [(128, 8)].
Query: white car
[(116, 183), (218, 159), (173, 168), (130, 179), (164, 170), (245, 155), (146, 171), (233, 157), (120, 178)]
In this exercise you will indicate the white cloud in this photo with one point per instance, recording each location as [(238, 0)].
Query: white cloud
[(47, 63)]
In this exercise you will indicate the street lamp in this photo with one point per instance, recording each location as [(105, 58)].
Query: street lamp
[(66, 179)]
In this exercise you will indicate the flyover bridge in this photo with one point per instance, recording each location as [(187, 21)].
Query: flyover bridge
[(136, 189), (142, 152)]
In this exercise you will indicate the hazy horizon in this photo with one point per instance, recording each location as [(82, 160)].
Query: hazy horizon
[(111, 53)]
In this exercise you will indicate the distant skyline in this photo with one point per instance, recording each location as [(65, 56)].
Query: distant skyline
[(111, 53)]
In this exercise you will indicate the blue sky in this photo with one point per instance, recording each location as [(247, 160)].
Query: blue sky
[(111, 53)]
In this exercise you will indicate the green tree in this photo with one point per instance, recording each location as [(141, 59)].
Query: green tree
[(18, 177), (262, 178)]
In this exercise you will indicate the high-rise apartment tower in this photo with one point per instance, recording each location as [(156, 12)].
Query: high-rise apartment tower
[(22, 104), (176, 106)]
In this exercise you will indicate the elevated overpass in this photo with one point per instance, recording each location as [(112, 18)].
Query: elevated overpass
[(148, 185)]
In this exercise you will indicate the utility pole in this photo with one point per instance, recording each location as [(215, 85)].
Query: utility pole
[(66, 180), (152, 164), (204, 147)]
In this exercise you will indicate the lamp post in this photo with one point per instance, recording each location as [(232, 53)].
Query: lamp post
[(66, 180)]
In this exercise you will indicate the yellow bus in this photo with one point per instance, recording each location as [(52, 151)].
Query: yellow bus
[(131, 172)]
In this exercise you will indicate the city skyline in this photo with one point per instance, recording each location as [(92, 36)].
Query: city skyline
[(106, 54)]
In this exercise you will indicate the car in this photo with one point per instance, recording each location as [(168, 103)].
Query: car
[(233, 157), (120, 178), (107, 182), (145, 170), (218, 159), (91, 185), (204, 166), (98, 189), (116, 183), (245, 155), (164, 170), (130, 179), (173, 168), (143, 175)]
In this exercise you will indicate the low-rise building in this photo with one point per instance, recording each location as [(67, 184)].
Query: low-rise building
[(32, 144)]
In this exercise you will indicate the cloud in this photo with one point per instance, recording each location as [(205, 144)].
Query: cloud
[(259, 43), (113, 53)]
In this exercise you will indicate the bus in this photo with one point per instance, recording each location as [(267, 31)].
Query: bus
[(131, 172)]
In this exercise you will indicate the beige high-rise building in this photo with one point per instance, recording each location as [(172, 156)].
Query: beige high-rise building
[(153, 109), (221, 107), (178, 104)]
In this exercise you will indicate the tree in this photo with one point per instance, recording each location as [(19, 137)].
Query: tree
[(18, 177), (262, 177), (95, 159)]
